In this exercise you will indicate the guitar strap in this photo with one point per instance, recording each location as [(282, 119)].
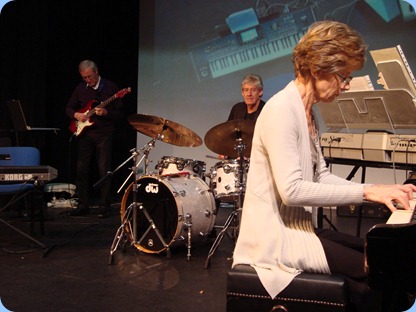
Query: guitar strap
[(99, 90)]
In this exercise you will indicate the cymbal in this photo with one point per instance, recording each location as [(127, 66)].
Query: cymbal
[(169, 131), (223, 138)]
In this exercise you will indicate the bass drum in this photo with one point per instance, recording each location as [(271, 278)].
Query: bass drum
[(174, 204)]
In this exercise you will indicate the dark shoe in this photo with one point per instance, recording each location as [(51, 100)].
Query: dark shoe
[(79, 211), (104, 212)]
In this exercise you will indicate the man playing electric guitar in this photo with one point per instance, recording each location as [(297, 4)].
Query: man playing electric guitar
[(83, 116), (93, 124)]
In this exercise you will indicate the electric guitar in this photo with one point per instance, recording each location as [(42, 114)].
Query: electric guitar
[(76, 126)]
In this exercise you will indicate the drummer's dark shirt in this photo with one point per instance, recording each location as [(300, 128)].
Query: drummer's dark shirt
[(239, 111)]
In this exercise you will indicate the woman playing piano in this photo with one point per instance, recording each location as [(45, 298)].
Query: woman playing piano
[(288, 177)]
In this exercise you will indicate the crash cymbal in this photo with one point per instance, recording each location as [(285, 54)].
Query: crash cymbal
[(169, 131), (223, 138)]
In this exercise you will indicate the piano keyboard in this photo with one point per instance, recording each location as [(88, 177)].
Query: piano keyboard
[(225, 55), (401, 216)]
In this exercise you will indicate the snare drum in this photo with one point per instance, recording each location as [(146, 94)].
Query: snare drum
[(169, 165), (175, 204), (224, 179)]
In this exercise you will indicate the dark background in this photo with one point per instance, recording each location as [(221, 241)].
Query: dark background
[(145, 45), (42, 43)]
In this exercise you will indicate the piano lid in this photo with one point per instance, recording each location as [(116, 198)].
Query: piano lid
[(371, 110)]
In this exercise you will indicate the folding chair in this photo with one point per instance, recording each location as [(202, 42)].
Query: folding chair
[(17, 187)]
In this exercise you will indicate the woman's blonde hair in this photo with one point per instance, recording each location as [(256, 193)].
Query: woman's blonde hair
[(329, 47)]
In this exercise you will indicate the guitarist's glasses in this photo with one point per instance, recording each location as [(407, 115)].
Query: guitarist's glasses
[(88, 77)]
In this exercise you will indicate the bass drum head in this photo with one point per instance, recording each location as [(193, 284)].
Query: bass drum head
[(168, 202)]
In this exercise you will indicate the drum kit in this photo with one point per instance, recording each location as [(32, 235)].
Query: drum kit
[(174, 206)]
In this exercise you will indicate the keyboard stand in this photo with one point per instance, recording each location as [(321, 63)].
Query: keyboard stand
[(23, 233), (38, 192)]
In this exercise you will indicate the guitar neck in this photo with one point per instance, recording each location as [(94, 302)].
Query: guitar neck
[(101, 105)]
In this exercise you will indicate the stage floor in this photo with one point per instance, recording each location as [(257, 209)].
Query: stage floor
[(73, 273)]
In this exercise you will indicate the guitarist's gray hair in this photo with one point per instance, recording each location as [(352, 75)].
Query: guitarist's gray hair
[(87, 64)]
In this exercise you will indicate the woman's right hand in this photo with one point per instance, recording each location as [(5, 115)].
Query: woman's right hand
[(390, 194)]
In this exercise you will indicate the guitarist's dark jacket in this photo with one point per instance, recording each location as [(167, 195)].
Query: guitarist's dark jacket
[(85, 98)]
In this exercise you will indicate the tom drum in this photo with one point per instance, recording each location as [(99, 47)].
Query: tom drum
[(224, 179), (169, 165)]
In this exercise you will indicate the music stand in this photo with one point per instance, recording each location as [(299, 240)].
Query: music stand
[(376, 110), (19, 120)]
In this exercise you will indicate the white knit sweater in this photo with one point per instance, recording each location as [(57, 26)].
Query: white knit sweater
[(276, 235)]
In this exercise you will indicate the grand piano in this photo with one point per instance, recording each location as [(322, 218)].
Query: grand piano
[(390, 256), (390, 249), (377, 128), (390, 252)]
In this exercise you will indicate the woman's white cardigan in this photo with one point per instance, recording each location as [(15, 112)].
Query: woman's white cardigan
[(276, 235)]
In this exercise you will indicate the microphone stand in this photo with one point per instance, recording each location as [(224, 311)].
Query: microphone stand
[(110, 173)]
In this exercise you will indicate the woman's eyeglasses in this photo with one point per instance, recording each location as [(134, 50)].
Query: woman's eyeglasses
[(345, 80)]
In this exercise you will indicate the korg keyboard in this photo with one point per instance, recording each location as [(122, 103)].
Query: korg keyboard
[(26, 173)]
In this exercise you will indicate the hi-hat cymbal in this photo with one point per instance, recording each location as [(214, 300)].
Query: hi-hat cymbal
[(223, 138), (169, 131)]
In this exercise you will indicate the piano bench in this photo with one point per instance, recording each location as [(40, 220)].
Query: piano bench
[(307, 292)]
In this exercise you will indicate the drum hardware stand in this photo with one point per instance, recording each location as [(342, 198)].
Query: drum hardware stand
[(188, 224), (132, 209), (146, 150), (234, 216), (121, 234)]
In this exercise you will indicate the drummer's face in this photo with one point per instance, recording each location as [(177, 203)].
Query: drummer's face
[(251, 94)]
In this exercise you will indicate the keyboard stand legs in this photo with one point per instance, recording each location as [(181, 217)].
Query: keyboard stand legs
[(24, 234)]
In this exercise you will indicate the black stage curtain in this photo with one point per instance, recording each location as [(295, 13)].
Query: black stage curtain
[(42, 43)]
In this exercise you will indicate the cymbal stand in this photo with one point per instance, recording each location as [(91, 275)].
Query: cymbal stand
[(125, 227), (146, 150), (234, 215), (121, 234)]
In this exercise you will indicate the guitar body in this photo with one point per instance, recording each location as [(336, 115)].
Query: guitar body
[(76, 127)]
